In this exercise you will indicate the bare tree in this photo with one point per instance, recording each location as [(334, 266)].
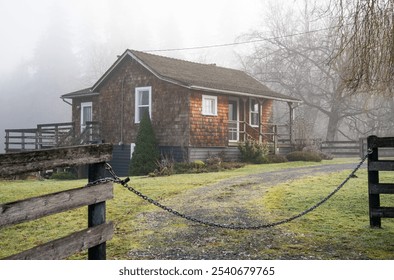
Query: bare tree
[(298, 64), (366, 29)]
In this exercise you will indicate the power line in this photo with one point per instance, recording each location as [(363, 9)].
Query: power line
[(238, 43)]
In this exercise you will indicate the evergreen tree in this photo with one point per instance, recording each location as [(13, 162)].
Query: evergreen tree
[(146, 151)]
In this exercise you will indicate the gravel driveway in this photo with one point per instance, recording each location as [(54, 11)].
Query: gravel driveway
[(228, 202)]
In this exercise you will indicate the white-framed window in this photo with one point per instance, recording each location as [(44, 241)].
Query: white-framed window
[(254, 112), (143, 102), (209, 105), (86, 114)]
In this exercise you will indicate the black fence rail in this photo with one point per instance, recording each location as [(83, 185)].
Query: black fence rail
[(99, 230), (376, 164)]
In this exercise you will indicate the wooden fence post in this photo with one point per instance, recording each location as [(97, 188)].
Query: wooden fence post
[(96, 212), (373, 180)]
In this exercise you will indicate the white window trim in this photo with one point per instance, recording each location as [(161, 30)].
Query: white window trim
[(137, 116), (83, 105), (211, 97), (250, 113)]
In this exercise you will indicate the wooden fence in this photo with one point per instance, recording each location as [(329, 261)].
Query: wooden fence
[(375, 187), (50, 135), (341, 148), (98, 232)]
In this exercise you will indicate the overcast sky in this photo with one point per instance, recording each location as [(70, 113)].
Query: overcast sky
[(114, 25)]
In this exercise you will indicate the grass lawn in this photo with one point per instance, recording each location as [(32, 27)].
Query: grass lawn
[(338, 227)]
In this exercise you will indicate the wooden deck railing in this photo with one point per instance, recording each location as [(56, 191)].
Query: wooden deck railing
[(98, 232), (50, 136)]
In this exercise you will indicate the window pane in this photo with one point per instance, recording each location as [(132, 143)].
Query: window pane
[(143, 98), (142, 111), (209, 105), (255, 118), (254, 106), (86, 114), (212, 106)]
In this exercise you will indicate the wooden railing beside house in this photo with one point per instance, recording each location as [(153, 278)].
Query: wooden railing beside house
[(49, 136), (98, 232), (264, 133)]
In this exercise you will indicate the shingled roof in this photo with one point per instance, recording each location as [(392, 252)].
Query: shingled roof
[(206, 77)]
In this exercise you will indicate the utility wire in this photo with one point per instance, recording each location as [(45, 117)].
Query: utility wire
[(237, 43)]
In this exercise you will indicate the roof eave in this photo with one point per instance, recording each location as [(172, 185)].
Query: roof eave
[(246, 94), (79, 95)]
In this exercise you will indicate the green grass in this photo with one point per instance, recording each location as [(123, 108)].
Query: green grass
[(341, 224)]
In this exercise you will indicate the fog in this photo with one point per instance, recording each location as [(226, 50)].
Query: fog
[(50, 48)]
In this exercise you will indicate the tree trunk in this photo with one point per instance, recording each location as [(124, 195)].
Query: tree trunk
[(333, 123)]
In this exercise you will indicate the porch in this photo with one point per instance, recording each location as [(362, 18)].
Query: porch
[(250, 118), (275, 135)]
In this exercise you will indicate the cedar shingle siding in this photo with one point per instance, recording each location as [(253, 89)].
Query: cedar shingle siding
[(169, 106), (208, 131)]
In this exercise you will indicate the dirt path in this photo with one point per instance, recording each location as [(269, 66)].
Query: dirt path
[(227, 202)]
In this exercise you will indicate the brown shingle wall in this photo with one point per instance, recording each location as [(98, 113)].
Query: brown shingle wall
[(208, 131), (169, 106), (266, 111)]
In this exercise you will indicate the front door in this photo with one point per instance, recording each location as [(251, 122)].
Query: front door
[(233, 124)]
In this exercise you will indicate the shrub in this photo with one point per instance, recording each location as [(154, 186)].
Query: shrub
[(165, 166), (198, 164), (65, 175), (197, 167), (146, 152), (213, 160), (303, 156), (314, 149), (253, 151), (276, 159)]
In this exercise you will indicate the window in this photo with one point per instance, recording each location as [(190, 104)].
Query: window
[(254, 112), (143, 102), (86, 114), (209, 105)]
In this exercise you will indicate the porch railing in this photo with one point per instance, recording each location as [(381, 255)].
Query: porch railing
[(264, 133), (50, 136)]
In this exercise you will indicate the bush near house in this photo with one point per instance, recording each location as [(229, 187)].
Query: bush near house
[(304, 156), (146, 152), (253, 152)]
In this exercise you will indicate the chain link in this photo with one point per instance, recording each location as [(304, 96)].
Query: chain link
[(124, 183)]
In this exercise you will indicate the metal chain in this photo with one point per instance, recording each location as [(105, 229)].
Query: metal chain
[(124, 182)]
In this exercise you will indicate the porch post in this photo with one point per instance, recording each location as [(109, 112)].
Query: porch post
[(260, 116), (246, 103), (291, 122)]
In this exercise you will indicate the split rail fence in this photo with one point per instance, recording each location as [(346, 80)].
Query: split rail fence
[(99, 230), (376, 164)]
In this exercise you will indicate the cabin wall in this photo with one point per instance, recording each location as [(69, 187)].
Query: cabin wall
[(208, 131), (117, 106)]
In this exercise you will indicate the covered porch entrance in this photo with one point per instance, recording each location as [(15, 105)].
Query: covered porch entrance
[(251, 119)]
